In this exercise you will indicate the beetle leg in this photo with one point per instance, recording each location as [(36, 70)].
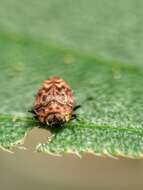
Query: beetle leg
[(74, 116), (76, 107), (31, 111)]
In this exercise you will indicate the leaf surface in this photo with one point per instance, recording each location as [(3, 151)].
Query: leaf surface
[(110, 120)]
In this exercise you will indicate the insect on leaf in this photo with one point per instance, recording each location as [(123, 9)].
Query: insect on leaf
[(97, 51)]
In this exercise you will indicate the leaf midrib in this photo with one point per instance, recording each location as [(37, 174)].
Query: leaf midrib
[(72, 124)]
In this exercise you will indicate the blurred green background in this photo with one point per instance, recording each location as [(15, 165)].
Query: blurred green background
[(107, 30)]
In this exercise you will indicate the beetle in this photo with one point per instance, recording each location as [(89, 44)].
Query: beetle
[(54, 103)]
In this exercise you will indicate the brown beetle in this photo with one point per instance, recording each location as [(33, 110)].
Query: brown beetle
[(53, 103)]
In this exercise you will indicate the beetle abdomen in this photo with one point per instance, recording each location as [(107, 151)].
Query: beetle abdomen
[(54, 102)]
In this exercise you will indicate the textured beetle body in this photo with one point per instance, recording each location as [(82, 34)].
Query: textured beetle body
[(53, 102)]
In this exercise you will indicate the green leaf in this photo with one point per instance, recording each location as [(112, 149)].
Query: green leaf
[(110, 95), (62, 40), (99, 140), (13, 131)]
